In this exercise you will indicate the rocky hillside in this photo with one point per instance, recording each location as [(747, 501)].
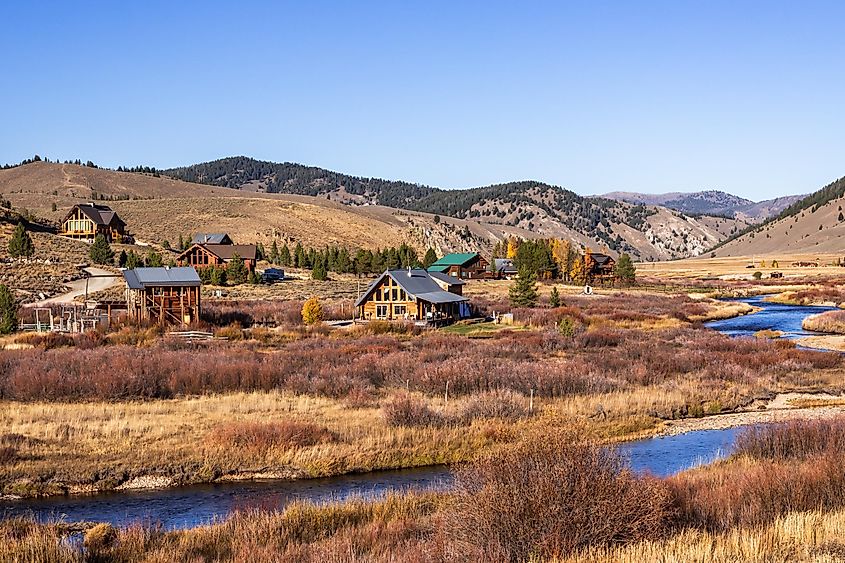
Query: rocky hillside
[(711, 202), (647, 232)]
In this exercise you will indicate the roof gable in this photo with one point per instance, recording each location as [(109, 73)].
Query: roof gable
[(456, 259), (417, 283)]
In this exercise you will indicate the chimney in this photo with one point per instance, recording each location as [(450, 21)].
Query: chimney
[(409, 271)]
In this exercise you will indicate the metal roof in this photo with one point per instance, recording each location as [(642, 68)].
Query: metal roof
[(140, 278), (456, 259), (445, 278), (418, 284), (505, 264), (211, 238)]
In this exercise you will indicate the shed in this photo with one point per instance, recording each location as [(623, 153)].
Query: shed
[(163, 295)]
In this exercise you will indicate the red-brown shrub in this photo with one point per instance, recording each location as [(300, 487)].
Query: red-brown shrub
[(550, 496), (406, 410)]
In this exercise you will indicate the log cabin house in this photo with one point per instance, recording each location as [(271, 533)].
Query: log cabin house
[(464, 265), (163, 295), (87, 220), (599, 266), (413, 294), (201, 255)]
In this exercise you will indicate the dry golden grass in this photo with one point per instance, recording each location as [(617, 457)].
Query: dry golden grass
[(102, 445), (803, 536)]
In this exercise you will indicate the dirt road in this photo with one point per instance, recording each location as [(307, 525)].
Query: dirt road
[(77, 287)]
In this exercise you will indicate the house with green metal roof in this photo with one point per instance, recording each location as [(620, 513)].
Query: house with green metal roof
[(463, 265)]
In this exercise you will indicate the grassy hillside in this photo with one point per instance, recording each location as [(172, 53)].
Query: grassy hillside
[(335, 210), (814, 224)]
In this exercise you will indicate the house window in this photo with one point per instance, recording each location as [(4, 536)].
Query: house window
[(394, 294), (399, 310), (381, 311)]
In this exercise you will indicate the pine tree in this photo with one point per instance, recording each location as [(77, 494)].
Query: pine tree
[(625, 271), (319, 272), (554, 297), (284, 256), (429, 258), (153, 260), (8, 311), (182, 242), (299, 258), (216, 276), (236, 271), (274, 253), (121, 259), (101, 252), (20, 245), (132, 260), (523, 292)]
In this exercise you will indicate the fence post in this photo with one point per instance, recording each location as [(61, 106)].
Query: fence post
[(531, 401), (447, 392)]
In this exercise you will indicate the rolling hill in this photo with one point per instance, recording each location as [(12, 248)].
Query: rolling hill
[(647, 232), (711, 202), (318, 207), (813, 224)]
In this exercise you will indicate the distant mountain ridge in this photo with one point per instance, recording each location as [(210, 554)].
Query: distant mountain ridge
[(711, 202), (646, 232)]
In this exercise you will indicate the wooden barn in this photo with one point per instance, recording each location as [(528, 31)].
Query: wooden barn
[(205, 255), (599, 266), (87, 220), (464, 265), (413, 294), (163, 295)]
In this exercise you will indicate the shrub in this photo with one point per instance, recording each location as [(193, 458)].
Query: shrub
[(550, 496), (504, 404), (266, 435), (407, 410), (793, 440), (312, 311), (100, 537)]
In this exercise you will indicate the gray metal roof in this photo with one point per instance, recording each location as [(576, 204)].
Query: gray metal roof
[(504, 264), (140, 278), (211, 238), (418, 284), (446, 278)]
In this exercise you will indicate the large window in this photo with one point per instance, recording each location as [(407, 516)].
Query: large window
[(399, 310), (381, 311), (394, 294)]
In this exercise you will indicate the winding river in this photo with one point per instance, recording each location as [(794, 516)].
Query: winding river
[(198, 504)]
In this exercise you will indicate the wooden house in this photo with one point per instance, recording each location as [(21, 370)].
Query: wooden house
[(464, 265), (599, 266), (163, 295), (211, 238), (505, 268), (413, 294), (205, 255), (87, 220)]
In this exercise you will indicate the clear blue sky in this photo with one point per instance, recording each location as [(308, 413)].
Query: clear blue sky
[(594, 96)]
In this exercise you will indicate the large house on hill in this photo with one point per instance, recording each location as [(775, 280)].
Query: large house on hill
[(217, 249), (163, 295), (87, 220), (413, 294), (464, 265)]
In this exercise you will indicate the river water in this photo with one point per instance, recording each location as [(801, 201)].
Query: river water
[(198, 504)]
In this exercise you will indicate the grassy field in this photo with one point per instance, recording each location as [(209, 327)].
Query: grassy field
[(294, 402)]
